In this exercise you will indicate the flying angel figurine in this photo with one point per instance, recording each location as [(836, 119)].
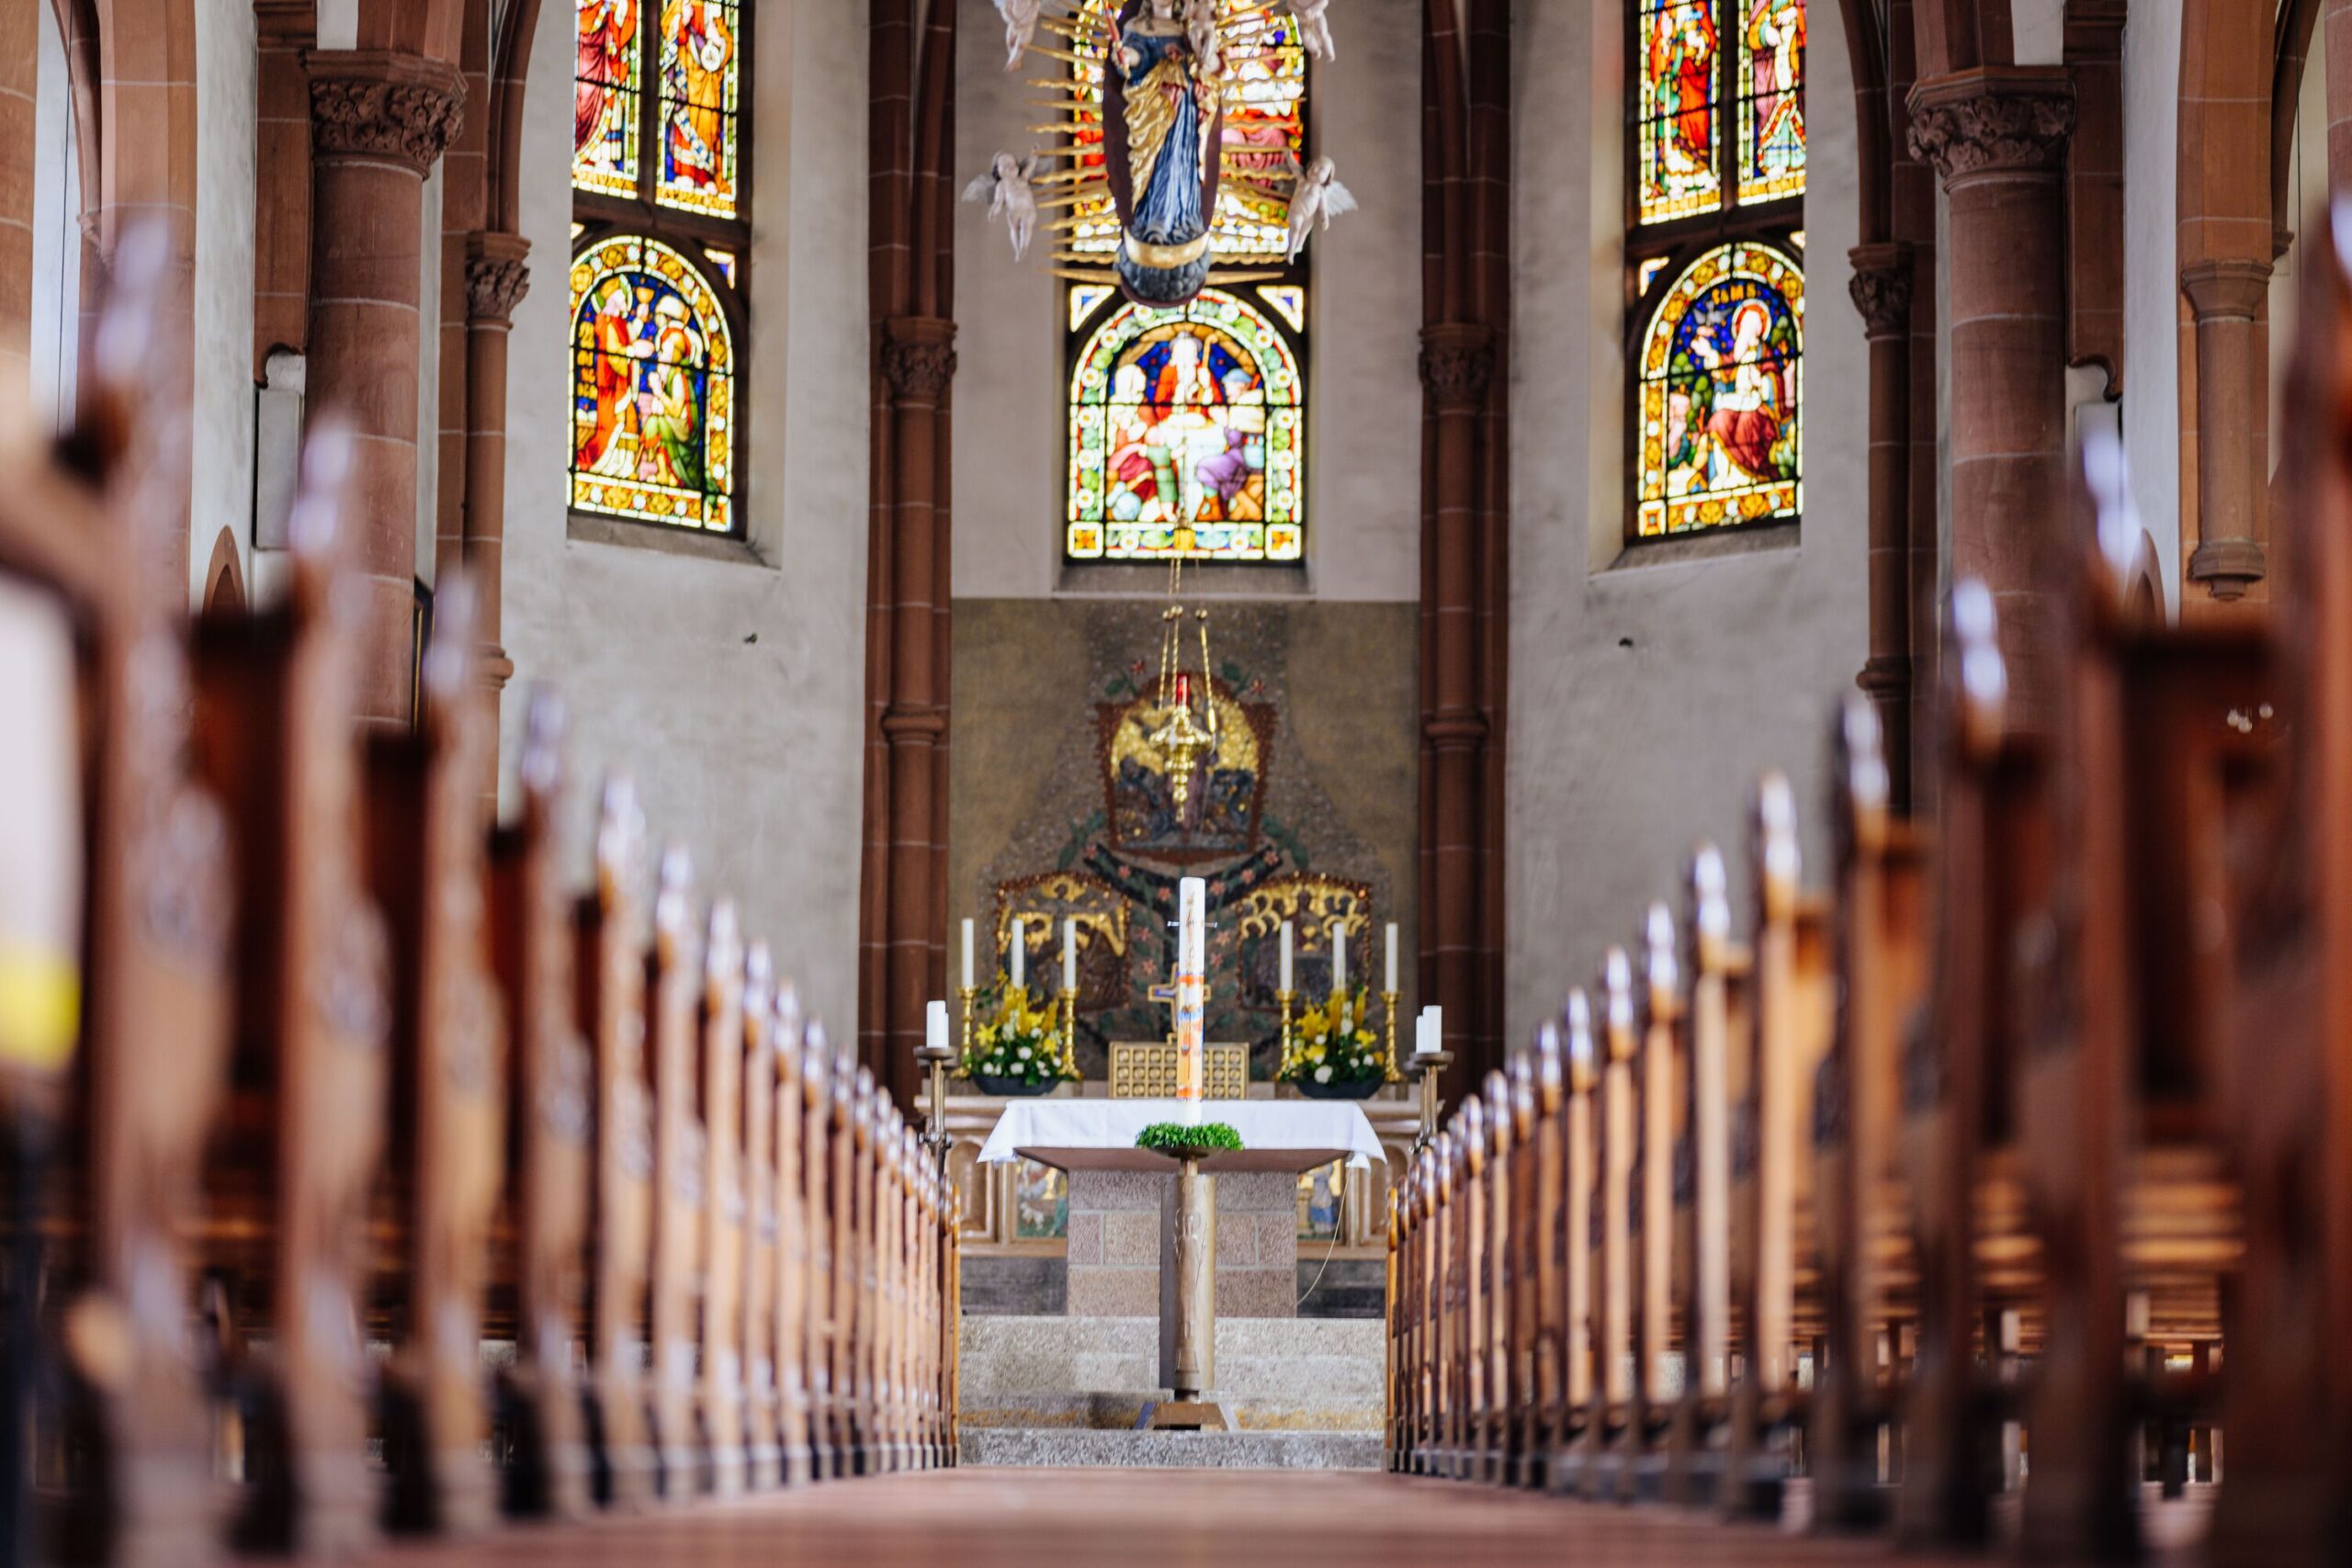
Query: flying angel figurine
[(1317, 194), (1201, 31), (1020, 27), (1005, 188), (1314, 28)]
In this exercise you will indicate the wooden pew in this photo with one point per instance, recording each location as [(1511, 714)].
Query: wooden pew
[(793, 1240), (1882, 904), (673, 986), (1544, 1413), (1522, 1275), (1572, 1230), (1608, 1234), (1663, 1099), (718, 1365), (118, 872), (2288, 1009), (426, 843), (818, 1188), (1491, 1458), (1716, 1015), (763, 1268), (289, 1181), (550, 1109)]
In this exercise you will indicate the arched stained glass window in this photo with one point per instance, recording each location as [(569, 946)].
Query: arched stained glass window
[(661, 224), (1187, 435), (653, 389), (1215, 471), (1714, 219), (1721, 368)]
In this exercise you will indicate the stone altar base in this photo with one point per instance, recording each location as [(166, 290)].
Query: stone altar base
[(1117, 1227), (1323, 1376), (1173, 1450)]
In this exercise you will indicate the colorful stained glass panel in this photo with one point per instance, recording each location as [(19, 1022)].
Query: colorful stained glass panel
[(1187, 437), (653, 389), (605, 97), (700, 106), (1676, 115), (1721, 437), (1265, 97), (1772, 100)]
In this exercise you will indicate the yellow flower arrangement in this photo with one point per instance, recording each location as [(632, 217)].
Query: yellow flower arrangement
[(1335, 1043), (1014, 1037)]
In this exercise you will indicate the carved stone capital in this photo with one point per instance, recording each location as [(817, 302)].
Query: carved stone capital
[(918, 358), (1993, 120), (1457, 361), (374, 104), (1881, 287), (496, 275), (2227, 289)]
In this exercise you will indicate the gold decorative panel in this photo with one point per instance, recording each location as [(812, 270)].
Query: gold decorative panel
[(1145, 1069)]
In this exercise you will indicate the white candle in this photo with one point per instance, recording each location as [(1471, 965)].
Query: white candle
[(1019, 953), (1391, 985), (968, 954), (1339, 957), (1437, 1026), (1423, 1043), (934, 1025), (1287, 985), (1192, 962), (1069, 955)]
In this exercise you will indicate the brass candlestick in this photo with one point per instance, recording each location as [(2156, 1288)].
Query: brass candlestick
[(1427, 1067), (1391, 1075), (1069, 1032), (1284, 998), (935, 1132), (967, 995)]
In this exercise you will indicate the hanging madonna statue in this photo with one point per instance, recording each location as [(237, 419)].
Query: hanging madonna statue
[(1163, 120)]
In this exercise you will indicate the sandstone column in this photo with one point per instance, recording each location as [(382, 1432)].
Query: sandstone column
[(19, 37), (378, 122), (1457, 362), (2229, 296), (1881, 287), (496, 280), (1998, 136), (918, 361)]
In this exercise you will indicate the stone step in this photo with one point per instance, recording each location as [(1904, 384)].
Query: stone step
[(1079, 1448)]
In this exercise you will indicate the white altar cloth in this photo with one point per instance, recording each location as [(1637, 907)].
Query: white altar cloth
[(1100, 1134)]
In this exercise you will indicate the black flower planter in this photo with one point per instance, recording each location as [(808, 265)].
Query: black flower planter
[(1014, 1088), (1349, 1088)]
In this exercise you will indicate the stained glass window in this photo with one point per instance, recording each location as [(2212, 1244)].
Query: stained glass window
[(1721, 432), (1772, 100), (698, 105), (1681, 78), (654, 387), (1265, 97), (605, 94), (1187, 435), (1692, 58)]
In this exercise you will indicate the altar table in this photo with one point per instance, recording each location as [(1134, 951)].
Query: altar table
[(1278, 1135), (1094, 1140)]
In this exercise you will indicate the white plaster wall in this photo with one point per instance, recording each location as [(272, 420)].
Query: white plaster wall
[(1645, 699), (731, 689), (57, 231), (2152, 414), (1363, 453), (221, 487), (2307, 194)]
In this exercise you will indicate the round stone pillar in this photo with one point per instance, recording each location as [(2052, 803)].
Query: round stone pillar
[(379, 121), (1998, 137), (1880, 288), (497, 278)]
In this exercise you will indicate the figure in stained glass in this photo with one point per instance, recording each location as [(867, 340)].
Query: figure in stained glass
[(652, 387), (1771, 111), (1719, 407), (604, 94), (1678, 70), (698, 68), (1185, 420)]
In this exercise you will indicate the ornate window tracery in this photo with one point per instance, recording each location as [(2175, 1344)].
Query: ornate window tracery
[(1717, 172), (661, 227)]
